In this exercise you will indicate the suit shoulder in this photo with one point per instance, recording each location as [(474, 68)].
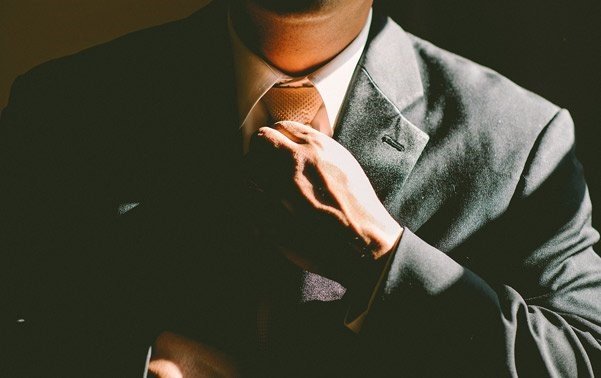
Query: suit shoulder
[(485, 136), (82, 101), (479, 91)]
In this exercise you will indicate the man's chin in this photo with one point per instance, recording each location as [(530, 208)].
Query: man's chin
[(294, 6)]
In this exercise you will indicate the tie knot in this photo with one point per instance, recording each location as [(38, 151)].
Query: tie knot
[(299, 104)]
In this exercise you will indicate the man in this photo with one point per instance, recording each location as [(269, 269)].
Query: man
[(407, 212)]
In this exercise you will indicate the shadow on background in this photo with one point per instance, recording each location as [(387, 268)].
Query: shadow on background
[(34, 31)]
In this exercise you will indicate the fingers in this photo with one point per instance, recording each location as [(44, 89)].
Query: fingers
[(178, 356), (276, 139), (288, 134), (270, 161), (277, 152), (295, 131)]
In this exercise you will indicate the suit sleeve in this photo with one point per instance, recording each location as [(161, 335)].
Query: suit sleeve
[(529, 306)]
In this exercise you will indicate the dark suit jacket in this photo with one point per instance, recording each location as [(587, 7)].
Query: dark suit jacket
[(121, 215)]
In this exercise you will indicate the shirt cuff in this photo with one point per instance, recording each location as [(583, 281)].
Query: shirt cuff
[(361, 305)]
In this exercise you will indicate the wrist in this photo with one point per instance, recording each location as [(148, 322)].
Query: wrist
[(373, 260), (383, 241)]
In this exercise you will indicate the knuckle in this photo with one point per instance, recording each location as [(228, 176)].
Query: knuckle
[(299, 156), (313, 155), (299, 181), (279, 126), (313, 139)]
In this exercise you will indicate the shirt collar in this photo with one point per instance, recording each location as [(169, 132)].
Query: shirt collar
[(254, 76)]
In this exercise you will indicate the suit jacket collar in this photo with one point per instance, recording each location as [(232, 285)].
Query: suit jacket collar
[(372, 126), (390, 61)]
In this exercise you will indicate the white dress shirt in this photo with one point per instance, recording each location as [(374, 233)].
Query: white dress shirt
[(254, 77)]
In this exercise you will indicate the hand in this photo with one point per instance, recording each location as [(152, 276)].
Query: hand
[(335, 215), (175, 356)]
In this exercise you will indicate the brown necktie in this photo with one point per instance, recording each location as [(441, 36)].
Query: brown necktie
[(298, 104)]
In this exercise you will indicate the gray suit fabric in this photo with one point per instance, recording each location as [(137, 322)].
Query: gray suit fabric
[(494, 275)]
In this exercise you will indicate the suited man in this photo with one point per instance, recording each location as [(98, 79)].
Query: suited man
[(439, 223)]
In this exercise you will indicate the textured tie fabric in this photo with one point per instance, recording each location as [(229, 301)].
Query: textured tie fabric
[(299, 104)]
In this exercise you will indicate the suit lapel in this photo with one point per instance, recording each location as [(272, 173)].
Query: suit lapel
[(371, 124)]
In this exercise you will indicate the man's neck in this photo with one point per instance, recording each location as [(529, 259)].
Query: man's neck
[(297, 44)]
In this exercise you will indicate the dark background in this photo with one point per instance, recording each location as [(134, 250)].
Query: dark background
[(552, 47)]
